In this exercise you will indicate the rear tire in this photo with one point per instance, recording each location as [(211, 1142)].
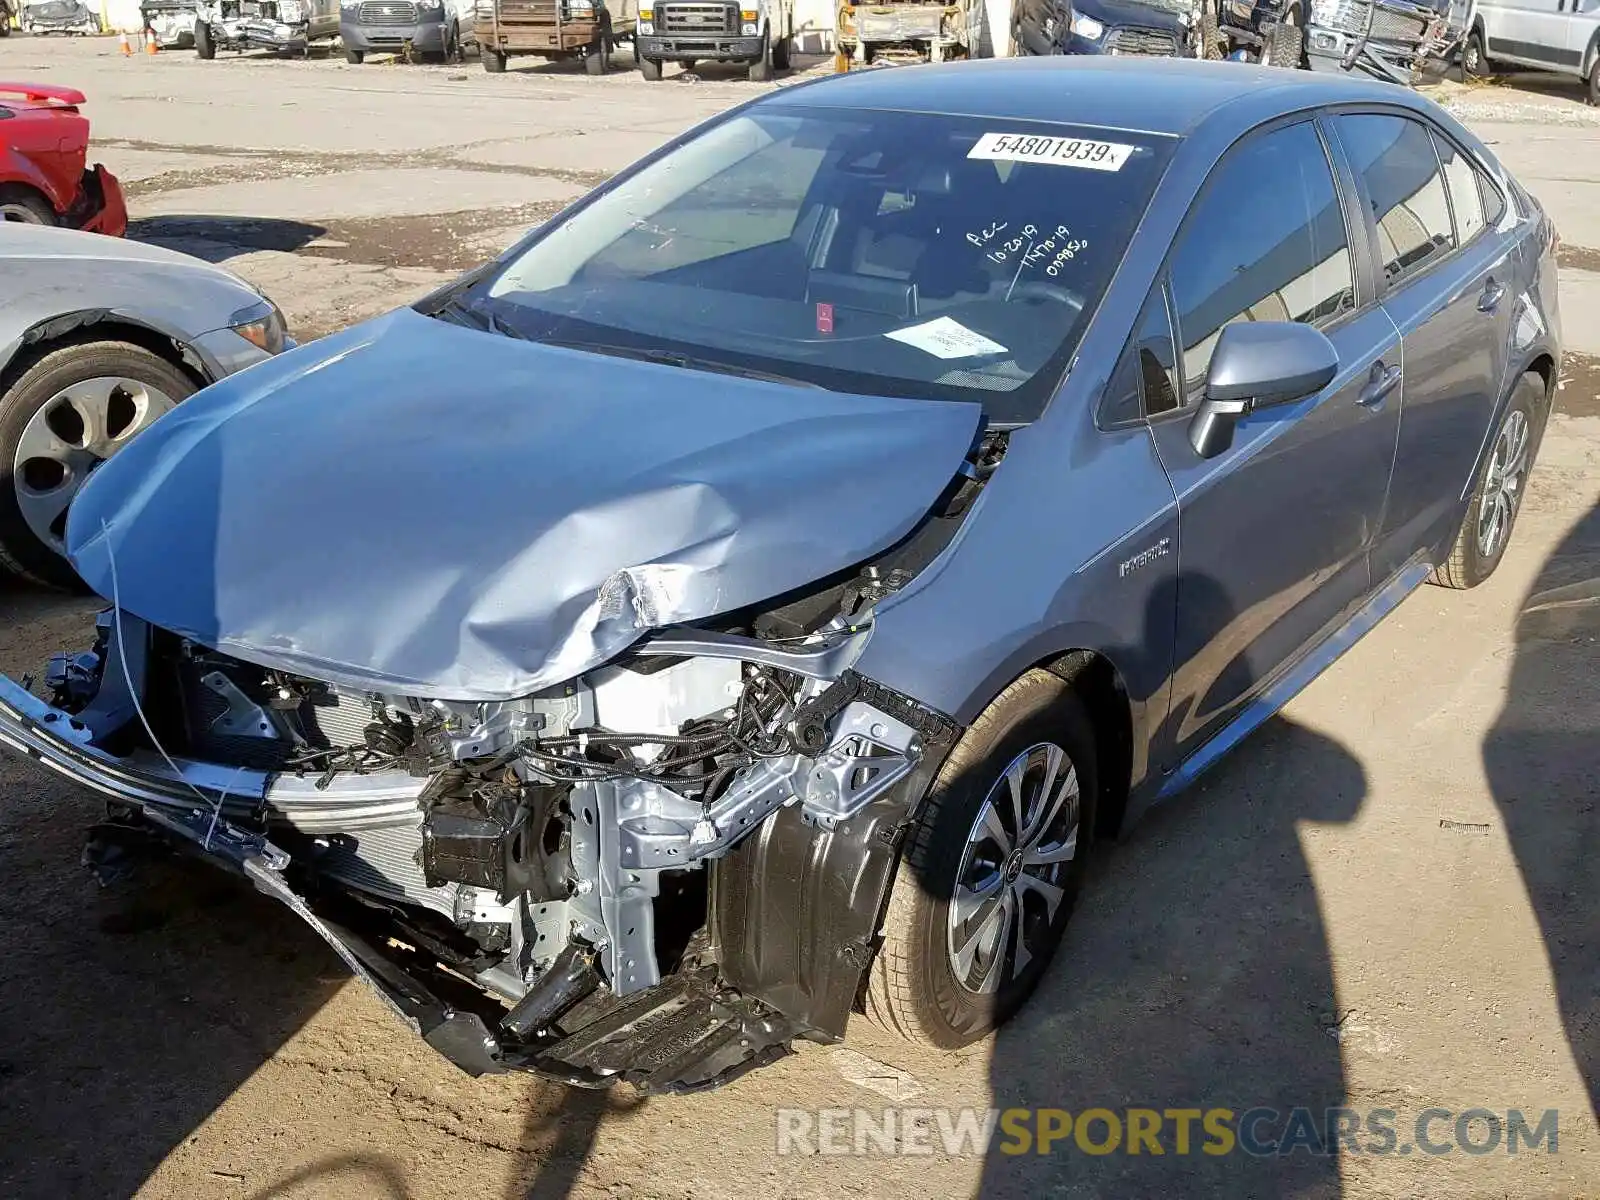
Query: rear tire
[(21, 549), (204, 47), (918, 986), (598, 60), (20, 203), (1475, 554), (493, 61)]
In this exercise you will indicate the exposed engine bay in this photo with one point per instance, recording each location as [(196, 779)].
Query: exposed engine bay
[(565, 882)]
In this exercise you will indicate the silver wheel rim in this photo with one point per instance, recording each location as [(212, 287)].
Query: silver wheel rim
[(1502, 487), (20, 213), (1010, 882), (73, 432)]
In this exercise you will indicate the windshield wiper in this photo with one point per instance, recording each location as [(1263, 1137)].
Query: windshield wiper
[(458, 312), (672, 358)]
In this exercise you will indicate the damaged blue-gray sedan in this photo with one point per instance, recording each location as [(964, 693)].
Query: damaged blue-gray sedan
[(746, 601)]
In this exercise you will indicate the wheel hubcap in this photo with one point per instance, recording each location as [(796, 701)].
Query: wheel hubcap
[(20, 213), (73, 432), (1010, 882), (1502, 488)]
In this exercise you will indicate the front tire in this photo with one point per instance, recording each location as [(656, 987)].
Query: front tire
[(1593, 96), (69, 412), (782, 53), (1474, 58), (1497, 499), (1286, 44), (761, 69), (598, 60), (493, 61), (650, 68), (204, 47), (354, 56), (991, 869)]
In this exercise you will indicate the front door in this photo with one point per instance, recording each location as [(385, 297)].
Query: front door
[(1448, 272), (1274, 532)]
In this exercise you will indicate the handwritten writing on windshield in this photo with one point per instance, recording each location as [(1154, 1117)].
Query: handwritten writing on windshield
[(1056, 250)]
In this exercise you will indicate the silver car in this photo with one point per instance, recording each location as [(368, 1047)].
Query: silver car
[(99, 337)]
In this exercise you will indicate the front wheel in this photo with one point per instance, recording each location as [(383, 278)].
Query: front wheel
[(354, 56), (782, 53), (1594, 83), (761, 68), (493, 61), (1474, 59), (1486, 529), (991, 870), (598, 60), (68, 413), (204, 47), (1286, 44)]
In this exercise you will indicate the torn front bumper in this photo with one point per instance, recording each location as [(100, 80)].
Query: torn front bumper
[(99, 207), (688, 1033), (258, 34)]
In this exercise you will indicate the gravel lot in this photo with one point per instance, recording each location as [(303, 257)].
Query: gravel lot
[(1387, 899)]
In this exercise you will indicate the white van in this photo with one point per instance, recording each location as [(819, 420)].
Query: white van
[(1546, 35)]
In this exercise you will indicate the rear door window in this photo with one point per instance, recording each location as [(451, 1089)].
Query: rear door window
[(1395, 158), (1265, 242), (1465, 188)]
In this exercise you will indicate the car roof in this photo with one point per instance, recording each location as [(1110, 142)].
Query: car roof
[(1171, 96)]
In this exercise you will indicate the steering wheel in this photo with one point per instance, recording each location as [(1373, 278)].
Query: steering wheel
[(1046, 290)]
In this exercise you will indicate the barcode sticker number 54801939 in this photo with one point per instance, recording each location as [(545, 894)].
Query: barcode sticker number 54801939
[(1054, 151)]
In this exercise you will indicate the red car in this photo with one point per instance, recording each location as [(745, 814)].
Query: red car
[(44, 144)]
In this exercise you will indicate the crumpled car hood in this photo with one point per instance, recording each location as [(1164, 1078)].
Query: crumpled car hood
[(414, 507)]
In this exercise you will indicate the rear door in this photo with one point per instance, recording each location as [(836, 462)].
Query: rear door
[(1274, 532), (1447, 274)]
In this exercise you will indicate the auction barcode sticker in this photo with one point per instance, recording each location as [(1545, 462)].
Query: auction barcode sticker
[(1056, 151)]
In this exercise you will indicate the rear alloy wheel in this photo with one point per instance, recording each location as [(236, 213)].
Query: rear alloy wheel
[(1492, 512), (991, 870), (67, 414), (25, 206)]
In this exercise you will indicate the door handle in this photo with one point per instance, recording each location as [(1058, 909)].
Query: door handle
[(1380, 383), (1493, 293)]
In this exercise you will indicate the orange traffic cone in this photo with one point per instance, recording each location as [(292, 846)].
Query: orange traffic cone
[(127, 50), (150, 46)]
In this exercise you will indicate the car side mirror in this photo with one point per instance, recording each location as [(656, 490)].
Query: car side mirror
[(1258, 364)]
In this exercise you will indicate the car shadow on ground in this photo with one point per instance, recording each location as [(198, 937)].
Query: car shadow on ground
[(1542, 760), (217, 239)]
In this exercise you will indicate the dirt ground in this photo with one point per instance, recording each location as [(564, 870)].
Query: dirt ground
[(1387, 899)]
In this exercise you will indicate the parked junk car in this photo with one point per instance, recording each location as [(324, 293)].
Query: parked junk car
[(425, 27), (757, 32), (171, 22), (44, 152), (1392, 40), (1139, 28), (797, 666), (59, 16), (554, 29), (905, 31), (98, 338), (1541, 35), (287, 26), (1269, 32)]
